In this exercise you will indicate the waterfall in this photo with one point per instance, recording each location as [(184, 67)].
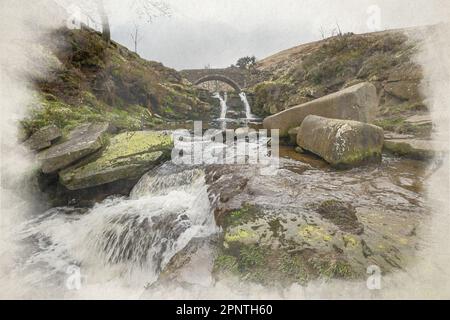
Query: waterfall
[(132, 239), (248, 110), (223, 104)]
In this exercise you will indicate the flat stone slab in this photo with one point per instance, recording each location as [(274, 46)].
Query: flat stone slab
[(359, 103), (129, 155), (81, 142), (419, 119), (43, 138), (388, 135), (341, 143), (415, 148)]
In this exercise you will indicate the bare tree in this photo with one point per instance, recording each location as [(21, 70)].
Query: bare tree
[(144, 9), (339, 32), (136, 37), (106, 29), (150, 9), (322, 32)]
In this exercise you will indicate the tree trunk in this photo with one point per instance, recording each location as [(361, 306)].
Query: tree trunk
[(106, 31)]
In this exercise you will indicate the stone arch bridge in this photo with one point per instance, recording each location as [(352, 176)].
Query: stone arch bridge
[(235, 77)]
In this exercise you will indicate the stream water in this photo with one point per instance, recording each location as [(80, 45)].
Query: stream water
[(125, 242), (248, 109), (223, 105)]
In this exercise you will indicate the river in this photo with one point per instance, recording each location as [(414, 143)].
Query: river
[(124, 243)]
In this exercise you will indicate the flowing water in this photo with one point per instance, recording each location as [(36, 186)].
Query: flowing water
[(223, 104), (121, 238), (121, 245), (126, 242), (248, 110)]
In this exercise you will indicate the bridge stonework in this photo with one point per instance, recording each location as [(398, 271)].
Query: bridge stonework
[(235, 77)]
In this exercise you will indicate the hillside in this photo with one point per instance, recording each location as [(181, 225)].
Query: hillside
[(310, 71), (91, 81)]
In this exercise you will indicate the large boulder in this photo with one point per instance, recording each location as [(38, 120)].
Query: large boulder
[(81, 142), (342, 143), (357, 103), (128, 156), (43, 138)]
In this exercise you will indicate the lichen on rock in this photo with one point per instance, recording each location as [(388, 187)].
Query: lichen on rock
[(129, 155)]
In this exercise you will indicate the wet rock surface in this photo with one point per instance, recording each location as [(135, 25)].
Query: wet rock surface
[(307, 222), (193, 265), (342, 214), (414, 148)]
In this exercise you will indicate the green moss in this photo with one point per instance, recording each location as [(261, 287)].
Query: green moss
[(239, 235), (390, 124), (276, 227), (329, 268), (349, 241), (399, 125), (238, 217), (358, 157), (128, 155), (249, 263), (49, 110), (226, 263), (314, 233), (97, 81), (294, 267), (406, 150), (251, 257)]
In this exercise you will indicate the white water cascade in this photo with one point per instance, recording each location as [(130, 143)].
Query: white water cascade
[(126, 240), (248, 110), (223, 104)]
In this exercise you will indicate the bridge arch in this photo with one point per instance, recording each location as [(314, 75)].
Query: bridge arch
[(218, 77)]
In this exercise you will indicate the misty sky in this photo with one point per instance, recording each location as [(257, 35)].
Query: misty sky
[(218, 32)]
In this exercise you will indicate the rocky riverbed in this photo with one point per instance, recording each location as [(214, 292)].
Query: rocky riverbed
[(123, 212), (308, 221), (299, 222)]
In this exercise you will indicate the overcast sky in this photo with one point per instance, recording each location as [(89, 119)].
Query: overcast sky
[(218, 32)]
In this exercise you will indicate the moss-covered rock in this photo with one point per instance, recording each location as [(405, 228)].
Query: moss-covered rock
[(43, 138), (342, 143), (413, 149), (81, 142), (307, 223), (128, 156)]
